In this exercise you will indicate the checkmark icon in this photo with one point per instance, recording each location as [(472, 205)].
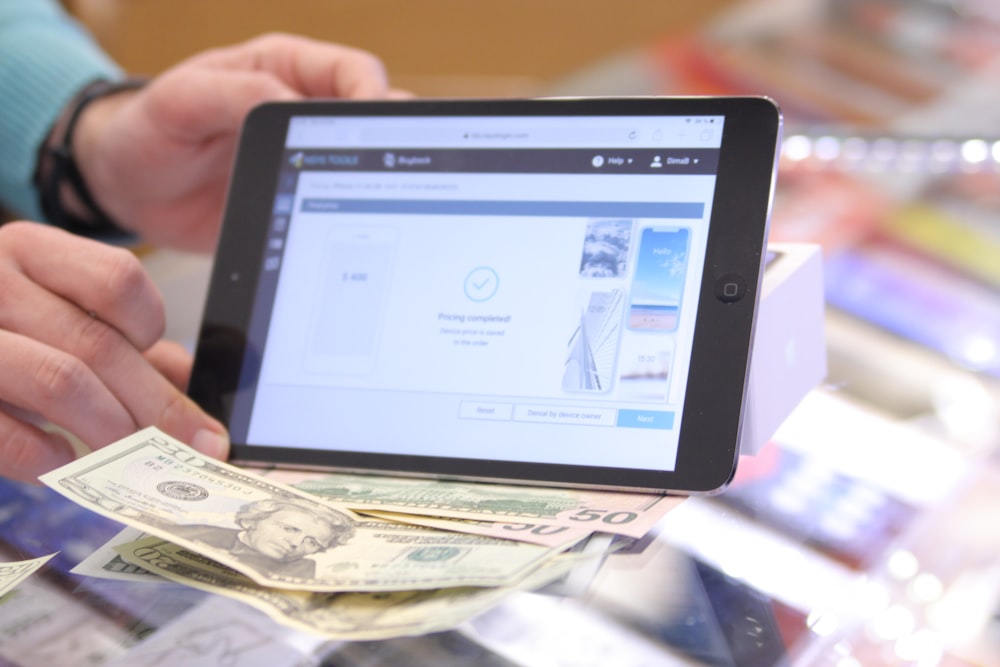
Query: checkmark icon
[(481, 283)]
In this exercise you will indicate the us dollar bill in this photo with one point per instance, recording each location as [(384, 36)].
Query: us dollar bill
[(105, 563), (527, 513), (13, 573), (561, 537), (344, 616), (276, 535)]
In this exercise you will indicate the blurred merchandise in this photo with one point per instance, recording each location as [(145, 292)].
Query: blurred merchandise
[(846, 518)]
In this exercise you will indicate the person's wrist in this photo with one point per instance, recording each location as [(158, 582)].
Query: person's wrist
[(95, 141), (66, 166)]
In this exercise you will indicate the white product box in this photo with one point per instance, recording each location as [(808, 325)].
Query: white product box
[(789, 349)]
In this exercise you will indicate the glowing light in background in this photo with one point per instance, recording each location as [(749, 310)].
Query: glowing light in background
[(978, 351), (922, 648), (926, 588), (903, 565), (797, 147), (975, 151), (869, 598), (893, 623), (827, 148)]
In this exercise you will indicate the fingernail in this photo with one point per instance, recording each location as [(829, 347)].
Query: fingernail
[(211, 444)]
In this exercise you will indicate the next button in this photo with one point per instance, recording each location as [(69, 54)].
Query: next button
[(645, 419)]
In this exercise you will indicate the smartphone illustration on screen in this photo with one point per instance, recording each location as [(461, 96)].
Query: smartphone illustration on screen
[(347, 318), (658, 281), (645, 367)]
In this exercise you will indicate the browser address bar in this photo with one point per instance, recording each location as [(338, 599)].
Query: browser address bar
[(478, 133), (521, 137)]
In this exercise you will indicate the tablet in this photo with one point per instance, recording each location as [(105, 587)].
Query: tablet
[(547, 291)]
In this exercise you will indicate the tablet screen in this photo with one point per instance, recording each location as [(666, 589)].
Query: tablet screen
[(501, 290)]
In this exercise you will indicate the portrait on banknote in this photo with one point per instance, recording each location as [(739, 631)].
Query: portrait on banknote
[(277, 536)]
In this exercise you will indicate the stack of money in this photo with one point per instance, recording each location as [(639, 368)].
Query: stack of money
[(344, 556)]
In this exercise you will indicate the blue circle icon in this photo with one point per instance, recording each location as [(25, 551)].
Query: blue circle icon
[(481, 284)]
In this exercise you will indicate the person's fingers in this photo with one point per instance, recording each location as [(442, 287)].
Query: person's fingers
[(172, 360), (101, 280), (91, 345), (74, 336), (93, 403), (399, 94), (27, 451), (194, 106), (311, 67), (60, 389), (209, 95)]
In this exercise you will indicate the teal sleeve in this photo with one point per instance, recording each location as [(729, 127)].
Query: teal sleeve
[(45, 58)]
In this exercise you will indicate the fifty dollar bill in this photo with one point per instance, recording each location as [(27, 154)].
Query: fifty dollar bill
[(550, 516)]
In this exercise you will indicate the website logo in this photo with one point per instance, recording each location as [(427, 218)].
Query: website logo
[(296, 160), (389, 160)]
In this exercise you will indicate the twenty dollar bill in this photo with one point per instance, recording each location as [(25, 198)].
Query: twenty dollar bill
[(347, 616)]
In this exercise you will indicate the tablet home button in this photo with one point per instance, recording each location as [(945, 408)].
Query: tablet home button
[(730, 287)]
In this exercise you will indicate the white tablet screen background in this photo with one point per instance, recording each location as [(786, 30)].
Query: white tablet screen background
[(513, 337)]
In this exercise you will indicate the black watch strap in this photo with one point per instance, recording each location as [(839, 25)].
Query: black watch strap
[(58, 167)]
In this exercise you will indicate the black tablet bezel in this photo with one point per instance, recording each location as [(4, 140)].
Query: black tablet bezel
[(710, 430)]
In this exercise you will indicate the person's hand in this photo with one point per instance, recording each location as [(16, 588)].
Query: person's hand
[(80, 328), (157, 160)]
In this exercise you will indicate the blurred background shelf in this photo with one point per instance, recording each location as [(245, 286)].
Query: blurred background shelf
[(435, 48)]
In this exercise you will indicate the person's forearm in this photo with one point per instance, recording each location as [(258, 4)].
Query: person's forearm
[(45, 59)]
